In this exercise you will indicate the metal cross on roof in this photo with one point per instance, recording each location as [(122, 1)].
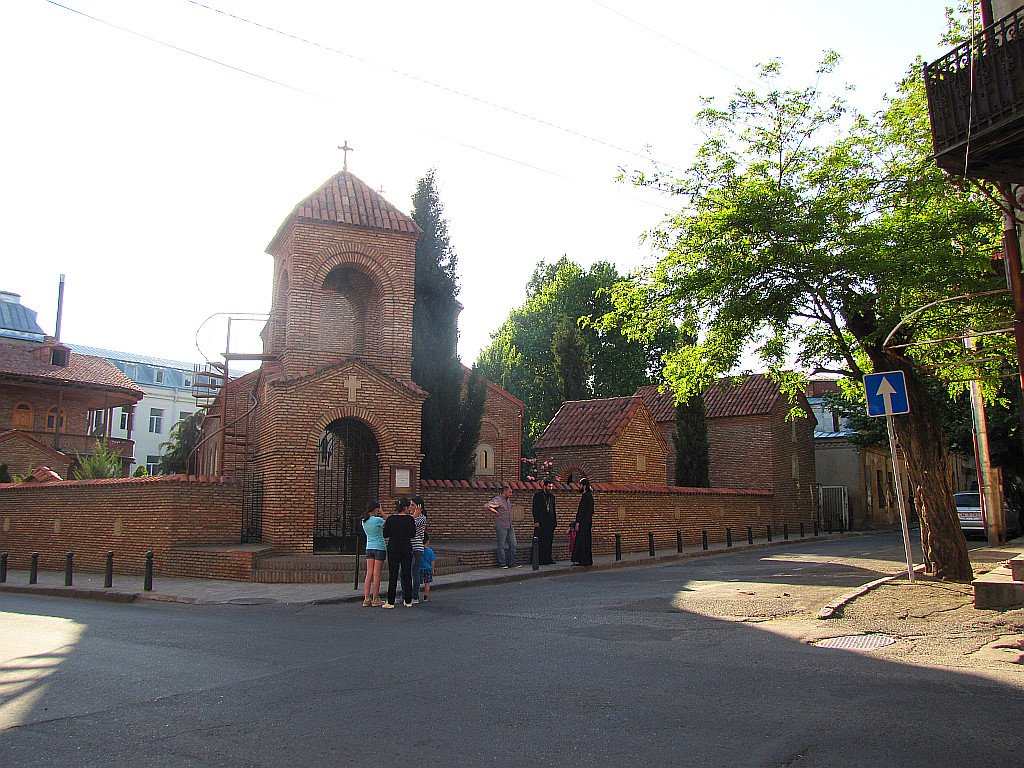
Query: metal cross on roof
[(346, 149)]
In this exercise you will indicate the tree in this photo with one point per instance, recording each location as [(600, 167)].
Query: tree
[(178, 457), (569, 351), (453, 410), (103, 462), (596, 360), (691, 442), (807, 234)]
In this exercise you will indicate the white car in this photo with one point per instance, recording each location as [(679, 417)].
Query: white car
[(968, 509)]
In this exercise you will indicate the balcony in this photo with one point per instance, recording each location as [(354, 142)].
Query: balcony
[(976, 103), (71, 444)]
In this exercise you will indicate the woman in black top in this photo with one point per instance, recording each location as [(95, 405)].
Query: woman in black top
[(399, 530), (582, 551)]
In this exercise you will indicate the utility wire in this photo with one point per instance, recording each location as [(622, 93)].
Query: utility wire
[(425, 81), (686, 48), (330, 100)]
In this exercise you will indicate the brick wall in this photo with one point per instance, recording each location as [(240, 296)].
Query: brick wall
[(127, 516), (455, 510), (501, 428), (639, 453)]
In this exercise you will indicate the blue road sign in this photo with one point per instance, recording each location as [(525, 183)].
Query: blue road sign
[(887, 393)]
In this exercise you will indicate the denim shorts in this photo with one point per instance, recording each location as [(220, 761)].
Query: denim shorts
[(376, 554)]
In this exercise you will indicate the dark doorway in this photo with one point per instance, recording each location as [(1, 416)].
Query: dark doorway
[(347, 479)]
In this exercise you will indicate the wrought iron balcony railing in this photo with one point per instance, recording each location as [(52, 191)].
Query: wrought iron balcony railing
[(976, 103)]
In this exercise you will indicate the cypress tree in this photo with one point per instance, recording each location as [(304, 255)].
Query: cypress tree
[(454, 407), (569, 350), (691, 440)]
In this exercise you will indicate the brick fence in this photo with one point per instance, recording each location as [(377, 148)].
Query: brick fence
[(128, 516)]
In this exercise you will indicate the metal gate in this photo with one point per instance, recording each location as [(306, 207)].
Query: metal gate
[(347, 479), (833, 508), (252, 507)]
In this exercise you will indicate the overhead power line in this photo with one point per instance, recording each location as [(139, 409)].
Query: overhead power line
[(296, 89)]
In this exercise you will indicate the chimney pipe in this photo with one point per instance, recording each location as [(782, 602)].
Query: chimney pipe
[(60, 307)]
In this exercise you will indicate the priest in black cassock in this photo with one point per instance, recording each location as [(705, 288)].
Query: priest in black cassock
[(544, 521)]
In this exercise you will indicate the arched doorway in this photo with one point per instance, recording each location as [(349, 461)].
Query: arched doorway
[(347, 479)]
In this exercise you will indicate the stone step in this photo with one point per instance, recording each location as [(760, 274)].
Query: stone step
[(1017, 567), (998, 589)]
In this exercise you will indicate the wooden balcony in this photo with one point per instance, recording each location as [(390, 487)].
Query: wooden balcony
[(70, 443), (976, 103)]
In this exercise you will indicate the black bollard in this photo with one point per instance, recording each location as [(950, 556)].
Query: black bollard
[(750, 534), (728, 537), (801, 530), (815, 528), (535, 553), (33, 569), (679, 541), (108, 573), (785, 531), (769, 529), (3, 567), (650, 543), (704, 539), (840, 525), (355, 584), (69, 568), (618, 546), (147, 582)]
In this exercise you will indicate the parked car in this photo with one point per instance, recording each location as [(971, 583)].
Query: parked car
[(968, 509)]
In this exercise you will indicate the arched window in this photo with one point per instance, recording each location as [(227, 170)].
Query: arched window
[(484, 459), (55, 422), (22, 417)]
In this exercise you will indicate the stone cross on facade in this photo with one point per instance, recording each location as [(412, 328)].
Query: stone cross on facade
[(346, 149), (353, 386)]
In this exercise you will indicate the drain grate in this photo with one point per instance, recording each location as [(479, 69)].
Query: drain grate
[(856, 642)]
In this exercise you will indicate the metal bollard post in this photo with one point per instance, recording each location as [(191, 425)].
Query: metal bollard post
[(801, 530), (704, 539), (728, 537), (650, 543), (679, 541), (3, 567), (815, 528), (769, 528), (69, 568), (355, 583), (535, 553), (33, 569), (750, 534), (618, 546), (785, 531), (147, 582), (108, 573)]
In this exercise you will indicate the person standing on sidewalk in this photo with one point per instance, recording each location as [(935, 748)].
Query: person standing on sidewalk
[(427, 567), (501, 507), (583, 547), (399, 529), (420, 518), (376, 551), (544, 521)]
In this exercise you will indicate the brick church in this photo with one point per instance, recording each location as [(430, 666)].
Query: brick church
[(331, 420)]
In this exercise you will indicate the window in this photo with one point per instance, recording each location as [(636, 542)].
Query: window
[(158, 376), (484, 459), (131, 370), (22, 416), (156, 420), (188, 381), (56, 422), (126, 417), (182, 415), (60, 356), (152, 464), (96, 422)]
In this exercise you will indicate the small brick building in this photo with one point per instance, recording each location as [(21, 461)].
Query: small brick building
[(500, 446), (55, 404), (612, 440)]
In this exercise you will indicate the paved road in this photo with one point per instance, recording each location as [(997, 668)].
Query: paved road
[(667, 664)]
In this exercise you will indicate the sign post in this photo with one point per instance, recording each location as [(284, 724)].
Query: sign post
[(887, 396)]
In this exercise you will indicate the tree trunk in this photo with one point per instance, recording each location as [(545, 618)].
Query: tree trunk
[(922, 439)]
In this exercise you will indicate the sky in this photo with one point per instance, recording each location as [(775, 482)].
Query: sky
[(151, 148)]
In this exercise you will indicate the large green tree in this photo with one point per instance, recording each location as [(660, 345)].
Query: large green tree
[(591, 361), (806, 234), (178, 452), (454, 407)]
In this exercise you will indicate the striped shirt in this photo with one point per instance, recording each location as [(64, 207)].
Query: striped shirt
[(421, 531)]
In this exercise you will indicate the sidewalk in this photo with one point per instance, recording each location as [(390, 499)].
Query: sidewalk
[(213, 591)]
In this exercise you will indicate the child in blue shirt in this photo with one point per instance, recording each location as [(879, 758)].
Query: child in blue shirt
[(427, 567)]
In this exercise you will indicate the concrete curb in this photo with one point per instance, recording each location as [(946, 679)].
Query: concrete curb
[(833, 609), (520, 574)]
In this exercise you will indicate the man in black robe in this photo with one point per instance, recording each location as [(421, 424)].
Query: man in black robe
[(544, 521), (582, 549)]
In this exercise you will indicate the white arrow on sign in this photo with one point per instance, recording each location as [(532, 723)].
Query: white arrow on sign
[(886, 391)]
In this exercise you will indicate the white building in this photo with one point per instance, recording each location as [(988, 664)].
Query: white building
[(168, 400)]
